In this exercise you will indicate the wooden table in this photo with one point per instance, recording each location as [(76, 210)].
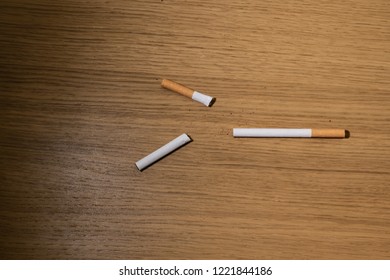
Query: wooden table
[(81, 101)]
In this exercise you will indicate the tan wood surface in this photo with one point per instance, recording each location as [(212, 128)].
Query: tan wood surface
[(81, 101)]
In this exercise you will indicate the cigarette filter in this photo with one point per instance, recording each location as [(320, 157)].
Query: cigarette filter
[(190, 93), (163, 151), (289, 132)]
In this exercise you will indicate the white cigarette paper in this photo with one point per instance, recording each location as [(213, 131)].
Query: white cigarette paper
[(272, 132), (163, 151), (291, 132), (202, 98)]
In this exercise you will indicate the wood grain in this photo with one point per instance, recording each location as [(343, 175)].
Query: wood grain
[(81, 101)]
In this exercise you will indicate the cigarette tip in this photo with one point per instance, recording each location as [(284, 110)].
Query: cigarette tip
[(213, 99), (189, 136), (137, 167)]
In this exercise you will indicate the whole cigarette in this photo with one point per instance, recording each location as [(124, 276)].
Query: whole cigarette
[(289, 132), (190, 93), (163, 151)]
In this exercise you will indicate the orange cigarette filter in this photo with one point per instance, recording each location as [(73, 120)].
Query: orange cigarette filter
[(188, 92), (328, 133)]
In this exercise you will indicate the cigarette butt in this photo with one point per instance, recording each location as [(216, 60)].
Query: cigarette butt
[(289, 132), (188, 92), (163, 151)]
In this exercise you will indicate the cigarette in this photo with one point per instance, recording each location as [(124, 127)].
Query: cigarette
[(289, 132), (190, 93), (163, 151)]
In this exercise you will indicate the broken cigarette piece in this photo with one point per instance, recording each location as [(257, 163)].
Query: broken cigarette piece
[(190, 93), (290, 132), (163, 151)]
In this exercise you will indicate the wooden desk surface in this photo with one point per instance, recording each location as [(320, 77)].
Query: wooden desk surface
[(81, 101)]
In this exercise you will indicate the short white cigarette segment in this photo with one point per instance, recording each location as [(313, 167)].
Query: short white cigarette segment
[(290, 132), (202, 98), (163, 151)]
